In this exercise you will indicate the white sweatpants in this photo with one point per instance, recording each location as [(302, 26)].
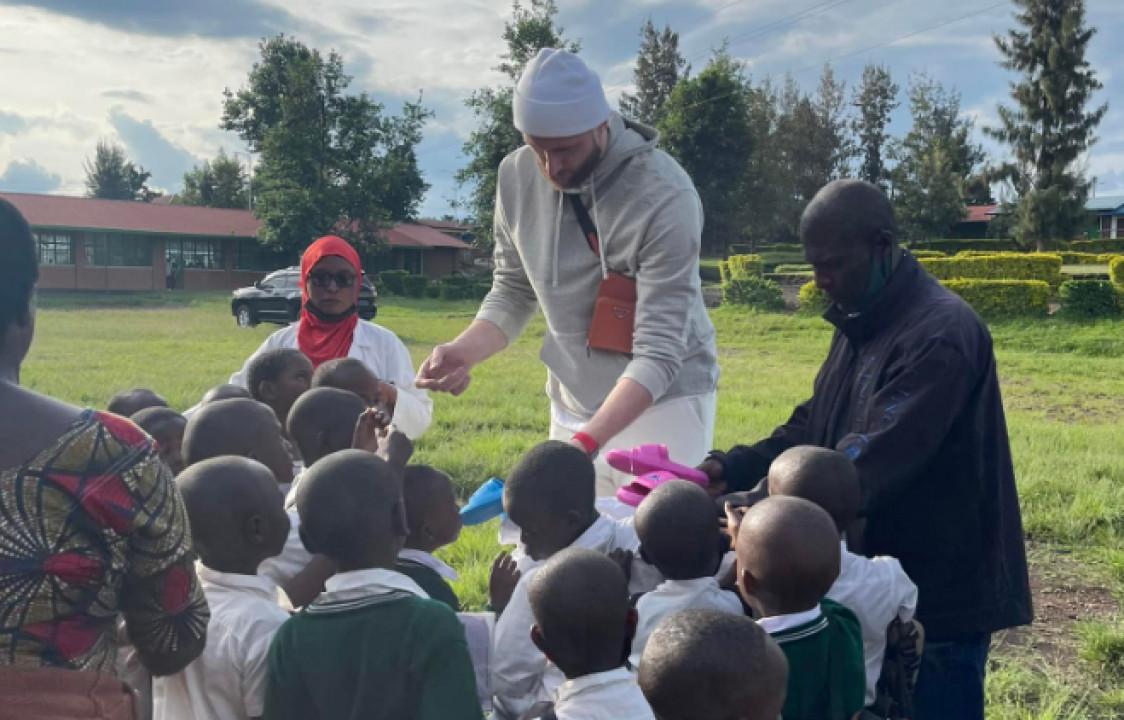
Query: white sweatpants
[(685, 425)]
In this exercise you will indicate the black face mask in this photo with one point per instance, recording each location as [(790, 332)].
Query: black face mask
[(330, 317)]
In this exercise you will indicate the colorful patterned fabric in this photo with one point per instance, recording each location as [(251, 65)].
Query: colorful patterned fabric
[(91, 528)]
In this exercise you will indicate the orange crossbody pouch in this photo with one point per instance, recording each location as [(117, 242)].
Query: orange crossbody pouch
[(614, 310)]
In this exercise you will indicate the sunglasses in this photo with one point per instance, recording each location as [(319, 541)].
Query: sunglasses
[(324, 279)]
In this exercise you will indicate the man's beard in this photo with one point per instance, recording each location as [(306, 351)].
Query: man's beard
[(583, 173)]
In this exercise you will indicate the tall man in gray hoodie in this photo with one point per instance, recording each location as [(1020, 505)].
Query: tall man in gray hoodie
[(648, 224)]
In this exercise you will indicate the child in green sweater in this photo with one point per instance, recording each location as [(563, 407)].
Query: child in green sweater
[(788, 559), (374, 645)]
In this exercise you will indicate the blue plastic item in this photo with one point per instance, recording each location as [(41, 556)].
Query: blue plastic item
[(485, 504)]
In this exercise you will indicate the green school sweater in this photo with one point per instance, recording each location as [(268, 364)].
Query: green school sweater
[(826, 676), (392, 656), (428, 580)]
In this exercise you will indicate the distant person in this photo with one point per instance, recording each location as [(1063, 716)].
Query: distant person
[(128, 403), (584, 625), (96, 529), (329, 328), (788, 559), (678, 535), (909, 392), (166, 426), (373, 645), (711, 665), (435, 522), (602, 230), (237, 522)]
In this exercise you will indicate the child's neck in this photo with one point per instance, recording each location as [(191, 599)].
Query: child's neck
[(769, 610), (234, 566), (421, 545), (369, 563)]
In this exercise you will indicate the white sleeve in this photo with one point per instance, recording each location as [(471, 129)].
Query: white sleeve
[(414, 410), (254, 665), (904, 593), (517, 666)]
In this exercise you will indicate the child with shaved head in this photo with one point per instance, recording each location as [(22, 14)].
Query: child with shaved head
[(584, 625), (678, 535), (166, 427), (711, 665), (373, 645), (277, 378), (236, 522), (351, 374), (788, 558), (877, 589), (130, 402), (434, 521), (226, 391), (549, 495)]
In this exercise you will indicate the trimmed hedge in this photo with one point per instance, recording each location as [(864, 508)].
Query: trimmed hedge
[(1116, 271), (710, 273), (998, 298), (1086, 299), (811, 300), (951, 247), (793, 268), (1003, 266), (1098, 246), (738, 267), (414, 285), (753, 291), (392, 281), (927, 254)]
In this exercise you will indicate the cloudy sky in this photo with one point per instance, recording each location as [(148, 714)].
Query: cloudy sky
[(150, 75)]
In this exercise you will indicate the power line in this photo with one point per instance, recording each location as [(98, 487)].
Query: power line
[(776, 24), (945, 23)]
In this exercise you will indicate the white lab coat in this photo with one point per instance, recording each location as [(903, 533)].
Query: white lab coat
[(386, 356)]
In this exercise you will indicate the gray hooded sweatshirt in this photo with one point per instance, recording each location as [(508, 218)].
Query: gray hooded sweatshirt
[(649, 219)]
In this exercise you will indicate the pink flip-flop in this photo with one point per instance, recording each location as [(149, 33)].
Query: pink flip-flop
[(635, 492), (652, 458)]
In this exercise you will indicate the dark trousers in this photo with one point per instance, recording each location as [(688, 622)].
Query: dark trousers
[(951, 681)]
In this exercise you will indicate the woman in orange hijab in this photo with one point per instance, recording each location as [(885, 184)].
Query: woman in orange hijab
[(329, 328)]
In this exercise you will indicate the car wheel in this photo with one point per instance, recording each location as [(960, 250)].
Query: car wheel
[(245, 317)]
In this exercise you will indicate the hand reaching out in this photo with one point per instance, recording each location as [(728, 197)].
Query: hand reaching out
[(502, 581), (368, 427)]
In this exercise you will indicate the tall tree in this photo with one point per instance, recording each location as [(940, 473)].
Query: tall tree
[(220, 183), (531, 28), (112, 176), (767, 181), (1050, 126), (706, 128), (659, 66), (329, 160), (876, 98), (937, 161), (833, 138)]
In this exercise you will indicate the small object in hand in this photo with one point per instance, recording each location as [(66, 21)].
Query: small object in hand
[(484, 504)]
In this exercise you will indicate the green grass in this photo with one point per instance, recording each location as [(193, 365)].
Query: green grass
[(1062, 382)]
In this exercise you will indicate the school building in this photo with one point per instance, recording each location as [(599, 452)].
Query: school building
[(88, 244)]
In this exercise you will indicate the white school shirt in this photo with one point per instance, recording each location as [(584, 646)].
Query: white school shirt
[(228, 679), (612, 695), (674, 595), (293, 558), (434, 563), (519, 667), (386, 356), (877, 591)]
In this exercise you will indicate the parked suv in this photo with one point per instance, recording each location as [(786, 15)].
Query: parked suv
[(276, 298)]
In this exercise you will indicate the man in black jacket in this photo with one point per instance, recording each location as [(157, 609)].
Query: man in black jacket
[(909, 392)]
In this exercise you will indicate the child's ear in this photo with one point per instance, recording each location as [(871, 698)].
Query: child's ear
[(643, 555), (539, 641), (747, 585), (267, 390), (255, 529)]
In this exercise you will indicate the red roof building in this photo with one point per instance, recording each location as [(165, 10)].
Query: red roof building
[(90, 244)]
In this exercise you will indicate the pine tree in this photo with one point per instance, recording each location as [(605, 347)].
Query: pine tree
[(1050, 126), (833, 137), (530, 29), (659, 66), (876, 98)]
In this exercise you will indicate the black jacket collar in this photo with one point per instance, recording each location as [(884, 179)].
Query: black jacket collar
[(887, 306)]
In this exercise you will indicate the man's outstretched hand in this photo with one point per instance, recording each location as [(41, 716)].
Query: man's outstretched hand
[(445, 370)]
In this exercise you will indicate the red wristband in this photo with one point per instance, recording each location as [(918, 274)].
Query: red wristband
[(587, 442)]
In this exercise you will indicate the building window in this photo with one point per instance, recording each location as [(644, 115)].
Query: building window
[(54, 248), (117, 250), (251, 255), (199, 254)]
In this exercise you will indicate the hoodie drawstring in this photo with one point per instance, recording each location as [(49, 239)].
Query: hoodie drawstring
[(557, 237), (601, 238)]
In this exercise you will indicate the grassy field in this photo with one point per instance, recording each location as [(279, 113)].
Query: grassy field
[(1063, 385)]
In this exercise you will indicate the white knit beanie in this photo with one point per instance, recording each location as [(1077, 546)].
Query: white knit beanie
[(558, 96)]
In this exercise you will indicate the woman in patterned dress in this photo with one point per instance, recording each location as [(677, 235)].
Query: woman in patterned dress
[(91, 528)]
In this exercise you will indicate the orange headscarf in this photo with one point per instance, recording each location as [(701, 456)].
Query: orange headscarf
[(319, 338)]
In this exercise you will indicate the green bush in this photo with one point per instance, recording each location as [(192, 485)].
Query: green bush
[(1098, 246), (1080, 258), (738, 267), (929, 254), (951, 246), (999, 298), (460, 288), (753, 291), (1107, 258), (433, 290), (793, 268), (480, 290), (414, 285), (1085, 299), (811, 299), (391, 281), (710, 272), (790, 278), (1002, 266), (1116, 271)]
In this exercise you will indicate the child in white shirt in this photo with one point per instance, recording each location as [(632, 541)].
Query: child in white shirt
[(876, 590), (679, 536), (237, 520)]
